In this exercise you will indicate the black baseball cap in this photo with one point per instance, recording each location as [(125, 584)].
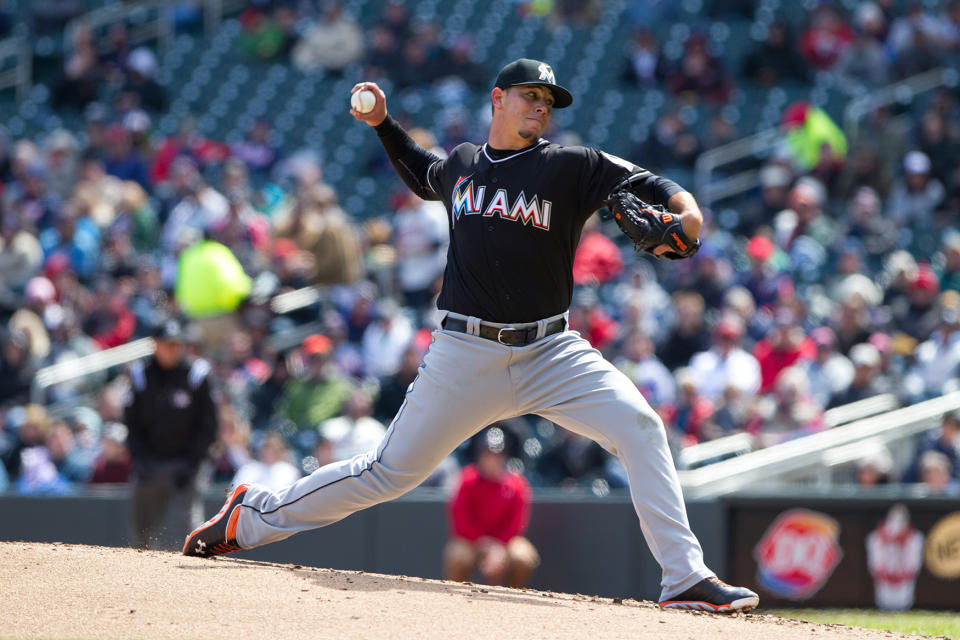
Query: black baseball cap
[(527, 71), (170, 329)]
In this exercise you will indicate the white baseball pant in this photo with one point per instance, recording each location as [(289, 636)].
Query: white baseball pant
[(467, 382)]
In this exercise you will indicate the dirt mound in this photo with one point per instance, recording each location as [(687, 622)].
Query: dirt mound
[(60, 591)]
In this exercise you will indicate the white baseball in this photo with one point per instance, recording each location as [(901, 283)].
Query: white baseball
[(363, 101)]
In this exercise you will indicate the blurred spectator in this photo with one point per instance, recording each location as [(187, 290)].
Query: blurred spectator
[(918, 315), (20, 253), (867, 380), (784, 346), (316, 393), (382, 57), (826, 38), (671, 143), (763, 281), (937, 360), (851, 322), (79, 82), (67, 455), (123, 160), (830, 372), (689, 334), (945, 441), (255, 150), (939, 140), (570, 459), (597, 259), (199, 209), (355, 432), (790, 412), (692, 410), (62, 152), (644, 63), (172, 422), (815, 141), (865, 168), (272, 467), (113, 465), (318, 225), (919, 48), (489, 514), (640, 364), (775, 60), (332, 43), (385, 339), (187, 141), (232, 447), (915, 197), (420, 236), (267, 36), (876, 232), (16, 368), (698, 73), (875, 468), (864, 64), (726, 362), (803, 216), (394, 387), (140, 89), (936, 474)]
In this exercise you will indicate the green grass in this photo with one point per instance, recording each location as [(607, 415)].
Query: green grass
[(924, 623)]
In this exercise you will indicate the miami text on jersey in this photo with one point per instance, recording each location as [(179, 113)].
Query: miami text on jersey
[(469, 201)]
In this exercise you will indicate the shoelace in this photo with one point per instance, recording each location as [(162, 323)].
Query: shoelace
[(717, 581)]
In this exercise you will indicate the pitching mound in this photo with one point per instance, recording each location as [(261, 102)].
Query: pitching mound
[(57, 591)]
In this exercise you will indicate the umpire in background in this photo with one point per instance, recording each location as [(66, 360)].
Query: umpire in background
[(173, 421)]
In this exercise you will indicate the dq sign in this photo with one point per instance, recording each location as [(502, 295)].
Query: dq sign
[(798, 553)]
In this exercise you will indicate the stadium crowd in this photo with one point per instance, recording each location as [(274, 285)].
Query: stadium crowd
[(836, 280)]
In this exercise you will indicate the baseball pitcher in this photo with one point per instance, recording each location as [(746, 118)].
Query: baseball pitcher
[(515, 207)]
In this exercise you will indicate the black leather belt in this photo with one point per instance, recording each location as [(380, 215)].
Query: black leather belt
[(510, 336)]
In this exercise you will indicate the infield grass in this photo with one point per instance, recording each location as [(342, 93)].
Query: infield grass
[(924, 623)]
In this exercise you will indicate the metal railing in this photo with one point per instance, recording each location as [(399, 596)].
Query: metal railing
[(808, 456), (16, 48), (741, 443), (710, 189), (89, 364), (148, 21), (902, 92), (19, 47)]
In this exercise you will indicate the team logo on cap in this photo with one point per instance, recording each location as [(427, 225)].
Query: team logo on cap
[(546, 73)]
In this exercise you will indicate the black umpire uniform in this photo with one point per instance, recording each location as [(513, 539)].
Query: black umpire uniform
[(172, 420)]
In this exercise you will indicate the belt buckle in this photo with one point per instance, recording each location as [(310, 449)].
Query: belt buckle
[(500, 335)]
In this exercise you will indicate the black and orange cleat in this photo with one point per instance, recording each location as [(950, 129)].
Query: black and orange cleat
[(218, 535), (713, 594)]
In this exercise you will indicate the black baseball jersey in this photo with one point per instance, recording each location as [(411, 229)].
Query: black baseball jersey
[(515, 218)]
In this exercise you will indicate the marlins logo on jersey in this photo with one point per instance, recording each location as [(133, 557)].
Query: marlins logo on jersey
[(469, 201)]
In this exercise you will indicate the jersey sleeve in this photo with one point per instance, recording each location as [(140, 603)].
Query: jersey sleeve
[(417, 167), (604, 173)]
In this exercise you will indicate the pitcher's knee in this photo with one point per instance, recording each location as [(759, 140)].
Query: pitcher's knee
[(390, 483)]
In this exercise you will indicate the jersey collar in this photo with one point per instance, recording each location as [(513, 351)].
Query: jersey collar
[(537, 145)]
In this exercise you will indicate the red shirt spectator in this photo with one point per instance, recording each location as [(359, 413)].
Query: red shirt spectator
[(597, 260), (783, 346), (490, 508), (826, 38)]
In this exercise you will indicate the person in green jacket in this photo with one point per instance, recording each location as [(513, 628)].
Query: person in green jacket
[(811, 133), (320, 393)]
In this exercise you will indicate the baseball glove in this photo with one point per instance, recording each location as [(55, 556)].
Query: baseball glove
[(650, 225)]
